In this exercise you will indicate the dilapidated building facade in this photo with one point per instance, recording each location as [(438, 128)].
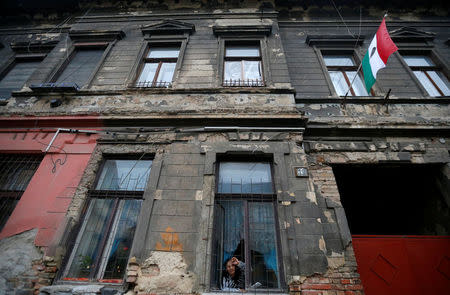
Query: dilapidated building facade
[(144, 144)]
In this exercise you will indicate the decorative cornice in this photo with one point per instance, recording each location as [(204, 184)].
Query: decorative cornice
[(97, 35), (168, 27), (242, 29), (410, 34), (334, 40)]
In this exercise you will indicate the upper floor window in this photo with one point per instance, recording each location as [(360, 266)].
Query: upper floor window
[(80, 67), (245, 236), (103, 245), (342, 70), (429, 75), (242, 65), (15, 76), (16, 172), (158, 67)]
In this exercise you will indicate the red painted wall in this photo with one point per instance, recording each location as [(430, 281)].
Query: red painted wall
[(44, 203), (413, 265)]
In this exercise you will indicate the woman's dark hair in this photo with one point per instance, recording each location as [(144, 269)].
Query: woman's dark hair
[(237, 270)]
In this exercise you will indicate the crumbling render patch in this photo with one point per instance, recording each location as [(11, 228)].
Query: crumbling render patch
[(16, 256), (164, 272)]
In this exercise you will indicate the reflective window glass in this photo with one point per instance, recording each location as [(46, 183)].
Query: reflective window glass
[(244, 51), (245, 177)]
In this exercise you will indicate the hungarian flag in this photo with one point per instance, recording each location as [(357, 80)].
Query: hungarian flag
[(377, 55)]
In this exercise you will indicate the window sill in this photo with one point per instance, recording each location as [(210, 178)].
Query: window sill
[(375, 100), (247, 291), (140, 85)]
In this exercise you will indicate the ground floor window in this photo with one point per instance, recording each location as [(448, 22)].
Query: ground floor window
[(16, 171), (102, 247), (245, 228)]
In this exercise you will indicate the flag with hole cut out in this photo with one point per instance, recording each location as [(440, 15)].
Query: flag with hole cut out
[(377, 55)]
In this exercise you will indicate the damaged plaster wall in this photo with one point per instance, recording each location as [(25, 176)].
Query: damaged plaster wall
[(17, 254), (164, 272)]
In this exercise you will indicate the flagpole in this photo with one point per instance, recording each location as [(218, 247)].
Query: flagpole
[(357, 71)]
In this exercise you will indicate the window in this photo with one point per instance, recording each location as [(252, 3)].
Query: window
[(103, 245), (342, 70), (244, 223), (16, 171), (428, 74), (80, 66), (16, 76), (158, 67), (242, 66)]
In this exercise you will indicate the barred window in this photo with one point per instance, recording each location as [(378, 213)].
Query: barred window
[(16, 171), (244, 225), (242, 65), (103, 245), (158, 67)]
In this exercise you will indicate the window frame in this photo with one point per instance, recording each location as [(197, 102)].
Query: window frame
[(439, 65), (36, 160), (158, 41), (244, 40), (72, 50), (144, 60), (242, 59), (97, 274), (10, 63), (246, 198), (322, 52)]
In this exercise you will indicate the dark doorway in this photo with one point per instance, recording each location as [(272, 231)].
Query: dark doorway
[(393, 199)]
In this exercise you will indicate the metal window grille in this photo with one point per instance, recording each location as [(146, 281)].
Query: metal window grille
[(153, 84), (245, 228), (16, 171), (244, 83), (101, 249)]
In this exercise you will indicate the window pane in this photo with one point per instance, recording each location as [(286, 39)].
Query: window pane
[(166, 72), (81, 67), (339, 82), (129, 175), (252, 51), (148, 73), (164, 52), (245, 177), (262, 244), (418, 61), (426, 83), (233, 230), (16, 78), (358, 86), (232, 70), (441, 81), (16, 172), (338, 60), (252, 70), (87, 252), (120, 245)]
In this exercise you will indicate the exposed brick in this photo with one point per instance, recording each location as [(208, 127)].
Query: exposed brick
[(316, 286)]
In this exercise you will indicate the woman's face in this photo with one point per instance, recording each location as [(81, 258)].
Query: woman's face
[(231, 269)]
